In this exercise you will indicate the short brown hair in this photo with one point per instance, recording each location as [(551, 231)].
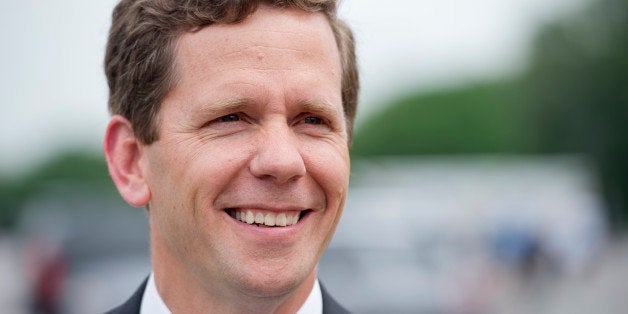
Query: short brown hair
[(139, 61)]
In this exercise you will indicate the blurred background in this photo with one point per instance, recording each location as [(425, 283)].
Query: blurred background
[(489, 161)]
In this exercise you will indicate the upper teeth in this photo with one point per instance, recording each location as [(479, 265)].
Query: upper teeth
[(266, 218)]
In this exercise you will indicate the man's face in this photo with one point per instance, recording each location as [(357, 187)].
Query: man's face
[(253, 130)]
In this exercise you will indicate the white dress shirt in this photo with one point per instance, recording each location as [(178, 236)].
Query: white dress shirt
[(153, 304)]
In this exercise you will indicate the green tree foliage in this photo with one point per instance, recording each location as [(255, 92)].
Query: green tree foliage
[(480, 118), (572, 99), (69, 170), (578, 94)]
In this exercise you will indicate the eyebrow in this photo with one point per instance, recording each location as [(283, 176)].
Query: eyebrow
[(323, 107), (224, 106), (227, 105)]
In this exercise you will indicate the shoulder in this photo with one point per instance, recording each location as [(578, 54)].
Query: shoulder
[(132, 305), (330, 305)]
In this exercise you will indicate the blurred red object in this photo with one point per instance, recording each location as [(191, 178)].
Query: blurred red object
[(47, 266)]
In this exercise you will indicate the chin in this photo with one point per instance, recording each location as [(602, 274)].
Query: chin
[(280, 281)]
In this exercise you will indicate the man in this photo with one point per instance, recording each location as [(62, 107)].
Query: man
[(231, 125)]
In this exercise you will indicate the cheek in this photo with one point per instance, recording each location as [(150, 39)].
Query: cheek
[(190, 175), (329, 166), (185, 183)]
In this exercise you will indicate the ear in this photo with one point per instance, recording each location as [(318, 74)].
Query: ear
[(125, 155)]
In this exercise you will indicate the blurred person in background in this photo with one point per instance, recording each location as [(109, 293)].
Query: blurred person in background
[(231, 122), (48, 266)]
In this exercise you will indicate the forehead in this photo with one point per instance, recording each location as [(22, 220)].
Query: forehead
[(268, 38)]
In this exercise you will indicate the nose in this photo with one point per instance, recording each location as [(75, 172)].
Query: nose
[(278, 157)]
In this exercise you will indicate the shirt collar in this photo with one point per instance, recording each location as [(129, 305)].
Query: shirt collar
[(153, 304), (151, 301), (314, 302)]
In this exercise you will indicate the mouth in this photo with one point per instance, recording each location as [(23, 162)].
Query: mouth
[(267, 219)]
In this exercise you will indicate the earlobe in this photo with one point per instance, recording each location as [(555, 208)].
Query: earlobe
[(124, 155)]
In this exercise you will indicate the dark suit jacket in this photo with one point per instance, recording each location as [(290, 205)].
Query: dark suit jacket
[(132, 305)]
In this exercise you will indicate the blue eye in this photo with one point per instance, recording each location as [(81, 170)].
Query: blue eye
[(230, 118), (313, 120)]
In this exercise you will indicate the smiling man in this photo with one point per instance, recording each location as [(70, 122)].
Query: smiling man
[(231, 125)]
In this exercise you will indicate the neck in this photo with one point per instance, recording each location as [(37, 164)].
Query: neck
[(185, 292)]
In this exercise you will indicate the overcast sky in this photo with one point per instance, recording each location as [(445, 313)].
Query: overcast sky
[(55, 95)]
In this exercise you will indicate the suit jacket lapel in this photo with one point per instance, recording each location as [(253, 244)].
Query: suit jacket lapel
[(330, 306), (132, 305)]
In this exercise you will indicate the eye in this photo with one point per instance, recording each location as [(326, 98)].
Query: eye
[(230, 118), (313, 120), (229, 121)]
